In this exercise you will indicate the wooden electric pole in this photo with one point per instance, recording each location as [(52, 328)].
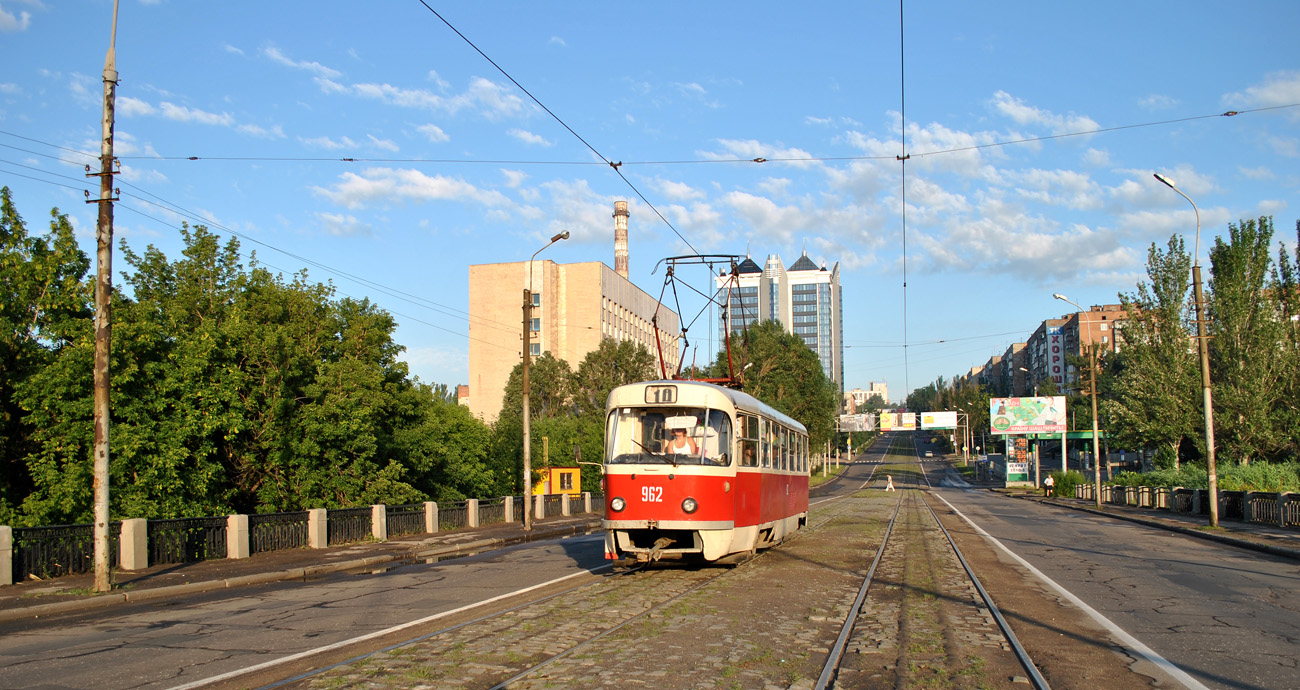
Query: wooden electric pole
[(103, 330)]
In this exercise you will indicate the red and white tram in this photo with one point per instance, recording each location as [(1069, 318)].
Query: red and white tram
[(695, 470)]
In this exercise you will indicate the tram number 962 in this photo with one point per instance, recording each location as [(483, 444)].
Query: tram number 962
[(652, 494)]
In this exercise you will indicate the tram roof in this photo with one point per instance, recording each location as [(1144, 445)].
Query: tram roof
[(739, 398)]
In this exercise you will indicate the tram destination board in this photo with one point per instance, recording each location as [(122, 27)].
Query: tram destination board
[(661, 395)]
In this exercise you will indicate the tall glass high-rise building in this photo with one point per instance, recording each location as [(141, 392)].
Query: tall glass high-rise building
[(804, 298)]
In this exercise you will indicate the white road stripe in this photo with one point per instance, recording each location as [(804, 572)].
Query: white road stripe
[(377, 633), (1128, 640)]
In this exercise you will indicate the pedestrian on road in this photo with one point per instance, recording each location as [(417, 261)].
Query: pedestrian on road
[(1047, 485), (889, 485)]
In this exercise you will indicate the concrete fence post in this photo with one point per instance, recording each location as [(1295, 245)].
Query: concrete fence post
[(1196, 501), (564, 505), (586, 501), (237, 536), (318, 532), (1247, 506), (509, 508), (6, 555), (471, 512), (379, 522), (133, 550), (1283, 497), (539, 506), (431, 517)]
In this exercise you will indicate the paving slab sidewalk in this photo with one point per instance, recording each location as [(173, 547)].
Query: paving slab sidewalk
[(35, 598)]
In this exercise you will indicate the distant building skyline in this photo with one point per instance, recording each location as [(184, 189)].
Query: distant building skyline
[(805, 299)]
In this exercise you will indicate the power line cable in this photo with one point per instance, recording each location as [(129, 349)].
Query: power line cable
[(612, 164)]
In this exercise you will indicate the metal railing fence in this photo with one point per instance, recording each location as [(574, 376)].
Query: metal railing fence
[(492, 512), (454, 516), (348, 525), (405, 519), (277, 531), (185, 540), (46, 552)]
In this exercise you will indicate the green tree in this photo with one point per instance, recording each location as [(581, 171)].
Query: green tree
[(43, 292), (610, 365), (1247, 337), (782, 371), (1154, 398)]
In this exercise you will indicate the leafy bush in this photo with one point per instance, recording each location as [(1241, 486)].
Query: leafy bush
[(1258, 476), (1064, 483)]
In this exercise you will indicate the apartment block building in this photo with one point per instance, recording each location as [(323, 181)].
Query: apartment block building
[(575, 306)]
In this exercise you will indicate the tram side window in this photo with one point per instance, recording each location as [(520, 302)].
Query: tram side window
[(748, 440), (765, 435), (803, 453), (785, 449)]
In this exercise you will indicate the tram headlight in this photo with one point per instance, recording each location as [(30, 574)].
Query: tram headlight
[(689, 506), (617, 504)]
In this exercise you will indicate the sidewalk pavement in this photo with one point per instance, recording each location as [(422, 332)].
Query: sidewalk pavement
[(36, 598), (1271, 539)]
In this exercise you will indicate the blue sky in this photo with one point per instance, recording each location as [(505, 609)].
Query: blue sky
[(457, 166)]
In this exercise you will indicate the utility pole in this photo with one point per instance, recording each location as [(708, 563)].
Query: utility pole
[(103, 328), (528, 356)]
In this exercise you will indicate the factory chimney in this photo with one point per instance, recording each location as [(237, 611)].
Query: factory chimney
[(620, 238)]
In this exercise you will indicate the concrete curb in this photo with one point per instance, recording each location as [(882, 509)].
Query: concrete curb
[(1211, 536), (134, 596)]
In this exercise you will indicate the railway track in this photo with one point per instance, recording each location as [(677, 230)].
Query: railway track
[(921, 617), (914, 618)]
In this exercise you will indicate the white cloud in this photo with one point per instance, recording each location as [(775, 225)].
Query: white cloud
[(1158, 102), (677, 191), (275, 132), (397, 185), (129, 106), (1097, 158), (382, 144), (314, 67), (528, 137), (342, 225), (1278, 88), (514, 178), (752, 149), (11, 22), (180, 113), (10, 89), (491, 100), (329, 144), (557, 41), (1260, 173), (1023, 114), (231, 49), (433, 133)]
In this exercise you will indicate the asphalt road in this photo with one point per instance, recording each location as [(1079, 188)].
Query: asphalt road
[(1223, 615), (167, 644)]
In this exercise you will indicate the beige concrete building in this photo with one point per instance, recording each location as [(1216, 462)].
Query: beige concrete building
[(574, 307)]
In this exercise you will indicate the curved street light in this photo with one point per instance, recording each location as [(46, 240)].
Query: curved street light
[(1204, 345), (1092, 374), (528, 358)]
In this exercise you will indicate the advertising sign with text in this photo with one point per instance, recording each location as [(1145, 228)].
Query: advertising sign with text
[(939, 420), (1056, 355), (1027, 415)]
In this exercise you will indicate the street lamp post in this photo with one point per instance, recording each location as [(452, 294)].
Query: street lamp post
[(1092, 376), (1035, 379), (528, 357), (1204, 341)]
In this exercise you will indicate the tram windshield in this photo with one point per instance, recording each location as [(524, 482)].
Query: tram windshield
[(668, 435)]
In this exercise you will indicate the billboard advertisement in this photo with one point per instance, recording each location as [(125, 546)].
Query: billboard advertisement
[(1056, 355), (888, 421), (857, 422), (1027, 415), (938, 420), (906, 420)]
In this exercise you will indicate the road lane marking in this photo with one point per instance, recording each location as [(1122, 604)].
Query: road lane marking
[(1131, 642), (378, 633)]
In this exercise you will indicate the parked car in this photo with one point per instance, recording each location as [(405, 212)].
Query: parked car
[(929, 453)]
